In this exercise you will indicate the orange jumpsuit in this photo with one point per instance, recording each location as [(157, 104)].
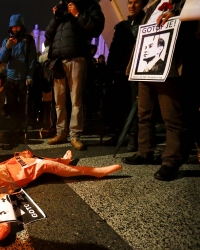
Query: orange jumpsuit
[(24, 167)]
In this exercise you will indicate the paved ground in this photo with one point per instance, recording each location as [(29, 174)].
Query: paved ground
[(126, 210)]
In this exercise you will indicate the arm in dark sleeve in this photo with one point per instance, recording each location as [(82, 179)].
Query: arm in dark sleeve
[(115, 47), (31, 60), (51, 29), (92, 20)]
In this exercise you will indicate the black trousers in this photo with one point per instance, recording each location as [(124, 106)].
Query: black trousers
[(168, 94), (16, 102)]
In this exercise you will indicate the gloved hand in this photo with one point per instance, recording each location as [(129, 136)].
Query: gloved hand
[(29, 82), (10, 43)]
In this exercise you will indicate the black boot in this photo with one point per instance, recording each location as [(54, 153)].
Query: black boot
[(132, 143), (138, 160), (167, 173)]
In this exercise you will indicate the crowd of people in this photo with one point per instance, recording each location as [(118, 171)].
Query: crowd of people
[(85, 85)]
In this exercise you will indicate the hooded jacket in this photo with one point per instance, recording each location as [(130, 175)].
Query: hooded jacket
[(21, 58), (71, 36)]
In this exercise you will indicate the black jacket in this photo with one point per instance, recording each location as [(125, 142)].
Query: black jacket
[(122, 44), (70, 36)]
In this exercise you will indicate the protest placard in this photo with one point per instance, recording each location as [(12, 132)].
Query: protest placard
[(154, 51)]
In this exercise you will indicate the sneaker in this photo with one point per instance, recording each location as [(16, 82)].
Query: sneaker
[(57, 140), (77, 144)]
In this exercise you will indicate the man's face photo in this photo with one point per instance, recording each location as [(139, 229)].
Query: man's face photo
[(150, 50), (153, 47)]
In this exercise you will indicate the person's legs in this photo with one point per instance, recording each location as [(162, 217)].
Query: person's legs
[(170, 105), (61, 112), (146, 135), (20, 116), (76, 80), (12, 92), (169, 100), (146, 138)]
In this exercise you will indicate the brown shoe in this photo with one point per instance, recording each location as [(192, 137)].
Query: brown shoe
[(77, 144), (57, 140)]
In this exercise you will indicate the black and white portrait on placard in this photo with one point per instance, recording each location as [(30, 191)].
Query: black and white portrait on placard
[(154, 51), (154, 54)]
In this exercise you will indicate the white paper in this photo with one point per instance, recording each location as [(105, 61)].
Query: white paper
[(154, 51), (19, 207), (190, 11), (6, 209)]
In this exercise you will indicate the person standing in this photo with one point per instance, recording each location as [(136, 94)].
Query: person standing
[(168, 94), (19, 53), (70, 33), (121, 93)]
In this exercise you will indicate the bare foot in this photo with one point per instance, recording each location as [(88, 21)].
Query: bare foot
[(68, 155)]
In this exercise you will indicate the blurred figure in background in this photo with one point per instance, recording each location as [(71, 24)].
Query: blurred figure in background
[(89, 91), (70, 32), (2, 93), (49, 111), (35, 100), (120, 92), (19, 53), (101, 70)]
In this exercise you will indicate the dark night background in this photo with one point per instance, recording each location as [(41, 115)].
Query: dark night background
[(34, 12)]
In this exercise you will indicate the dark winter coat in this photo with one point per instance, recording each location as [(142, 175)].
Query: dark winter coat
[(70, 36), (122, 44)]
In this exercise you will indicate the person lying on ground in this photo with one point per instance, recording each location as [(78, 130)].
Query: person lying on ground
[(25, 167)]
